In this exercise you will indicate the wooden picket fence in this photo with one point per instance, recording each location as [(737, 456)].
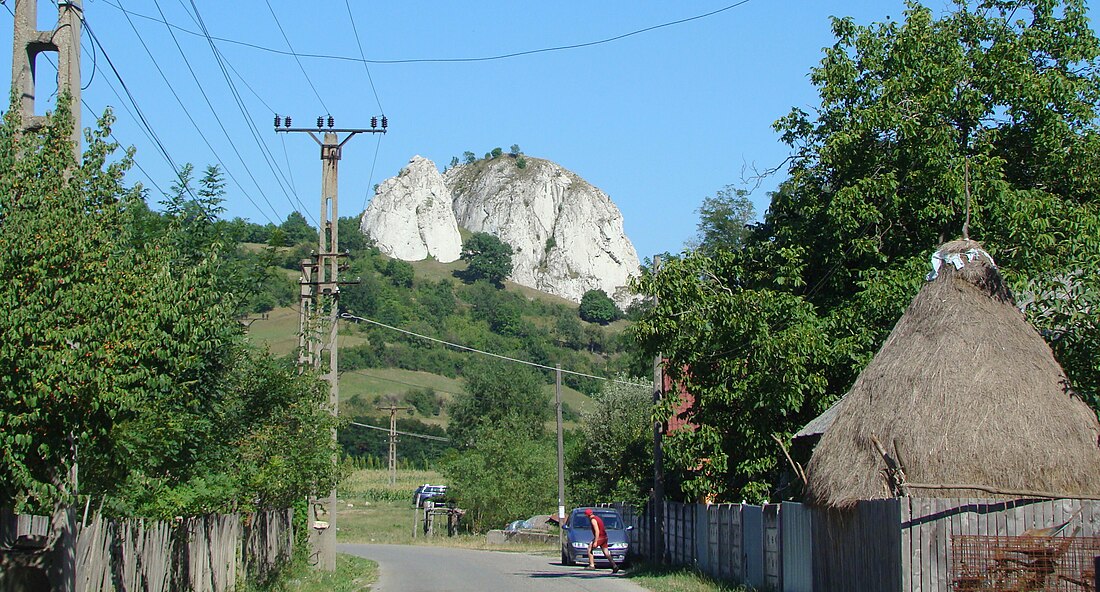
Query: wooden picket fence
[(203, 554)]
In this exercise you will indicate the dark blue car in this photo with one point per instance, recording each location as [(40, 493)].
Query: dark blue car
[(578, 535)]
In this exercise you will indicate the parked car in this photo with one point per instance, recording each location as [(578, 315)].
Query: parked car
[(426, 492), (578, 535)]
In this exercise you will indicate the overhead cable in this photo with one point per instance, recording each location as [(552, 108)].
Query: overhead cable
[(450, 60), (347, 315), (424, 436)]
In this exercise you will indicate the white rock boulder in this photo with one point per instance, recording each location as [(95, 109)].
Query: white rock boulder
[(567, 236), (410, 216)]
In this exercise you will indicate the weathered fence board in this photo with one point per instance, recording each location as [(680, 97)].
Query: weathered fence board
[(201, 554)]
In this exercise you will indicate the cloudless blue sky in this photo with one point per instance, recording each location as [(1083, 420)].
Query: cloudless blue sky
[(657, 120)]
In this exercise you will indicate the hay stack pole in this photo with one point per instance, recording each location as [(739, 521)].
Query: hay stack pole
[(963, 392)]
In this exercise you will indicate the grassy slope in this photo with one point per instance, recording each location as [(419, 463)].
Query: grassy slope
[(278, 332)]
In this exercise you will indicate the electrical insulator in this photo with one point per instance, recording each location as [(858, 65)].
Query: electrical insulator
[(278, 120), (288, 121), (374, 122), (384, 122), (331, 121), (320, 122)]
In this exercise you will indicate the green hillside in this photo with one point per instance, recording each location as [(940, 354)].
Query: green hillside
[(380, 366)]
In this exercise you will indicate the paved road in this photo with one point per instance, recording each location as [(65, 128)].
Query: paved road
[(406, 568)]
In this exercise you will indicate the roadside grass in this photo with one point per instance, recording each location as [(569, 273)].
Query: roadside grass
[(678, 579), (373, 511), (353, 574)]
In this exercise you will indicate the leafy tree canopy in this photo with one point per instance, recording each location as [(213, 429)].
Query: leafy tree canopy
[(982, 121), (487, 258), (122, 353), (725, 219), (597, 307)]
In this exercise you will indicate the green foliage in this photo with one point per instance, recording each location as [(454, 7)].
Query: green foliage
[(400, 272), (297, 230), (425, 401), (497, 394), (521, 162), (121, 348), (615, 461), (496, 152), (468, 157), (360, 442), (597, 307), (514, 151), (487, 258), (724, 219), (915, 116), (504, 475), (454, 162)]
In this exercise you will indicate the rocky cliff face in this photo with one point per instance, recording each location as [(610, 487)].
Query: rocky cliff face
[(410, 217), (567, 236)]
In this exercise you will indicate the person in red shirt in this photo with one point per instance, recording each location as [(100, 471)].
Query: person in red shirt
[(599, 539)]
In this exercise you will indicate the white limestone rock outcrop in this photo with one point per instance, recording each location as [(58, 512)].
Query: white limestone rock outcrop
[(567, 236), (410, 217)]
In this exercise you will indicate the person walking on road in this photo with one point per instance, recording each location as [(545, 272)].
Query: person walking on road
[(599, 540)]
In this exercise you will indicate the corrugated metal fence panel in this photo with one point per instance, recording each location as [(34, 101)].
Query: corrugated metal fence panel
[(752, 532), (796, 531)]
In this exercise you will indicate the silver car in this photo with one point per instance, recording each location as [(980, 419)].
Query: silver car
[(578, 535)]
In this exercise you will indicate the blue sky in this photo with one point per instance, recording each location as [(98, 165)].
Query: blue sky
[(657, 120)]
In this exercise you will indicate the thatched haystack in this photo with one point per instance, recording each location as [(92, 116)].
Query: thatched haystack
[(963, 391)]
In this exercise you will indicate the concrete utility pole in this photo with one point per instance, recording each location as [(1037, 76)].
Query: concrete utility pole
[(320, 291), (64, 40), (28, 42), (561, 454), (393, 409), (657, 533)]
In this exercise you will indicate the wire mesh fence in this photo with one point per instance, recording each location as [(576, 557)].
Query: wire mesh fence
[(1023, 563)]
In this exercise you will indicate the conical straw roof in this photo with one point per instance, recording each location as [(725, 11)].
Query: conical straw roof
[(963, 391)]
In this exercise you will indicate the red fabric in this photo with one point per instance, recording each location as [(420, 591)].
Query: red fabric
[(599, 531)]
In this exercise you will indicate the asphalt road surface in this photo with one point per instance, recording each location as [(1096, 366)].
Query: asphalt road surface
[(406, 568)]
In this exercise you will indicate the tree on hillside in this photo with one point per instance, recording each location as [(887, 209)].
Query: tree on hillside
[(498, 392), (615, 462), (982, 121), (724, 219), (487, 258), (597, 307), (297, 230), (505, 474)]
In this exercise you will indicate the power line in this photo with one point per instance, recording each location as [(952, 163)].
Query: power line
[(451, 60), (351, 18), (425, 436), (296, 58), (347, 315), (187, 112), (268, 158), (148, 128)]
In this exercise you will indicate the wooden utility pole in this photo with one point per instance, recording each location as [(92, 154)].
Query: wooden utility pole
[(64, 40), (320, 291), (393, 409)]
